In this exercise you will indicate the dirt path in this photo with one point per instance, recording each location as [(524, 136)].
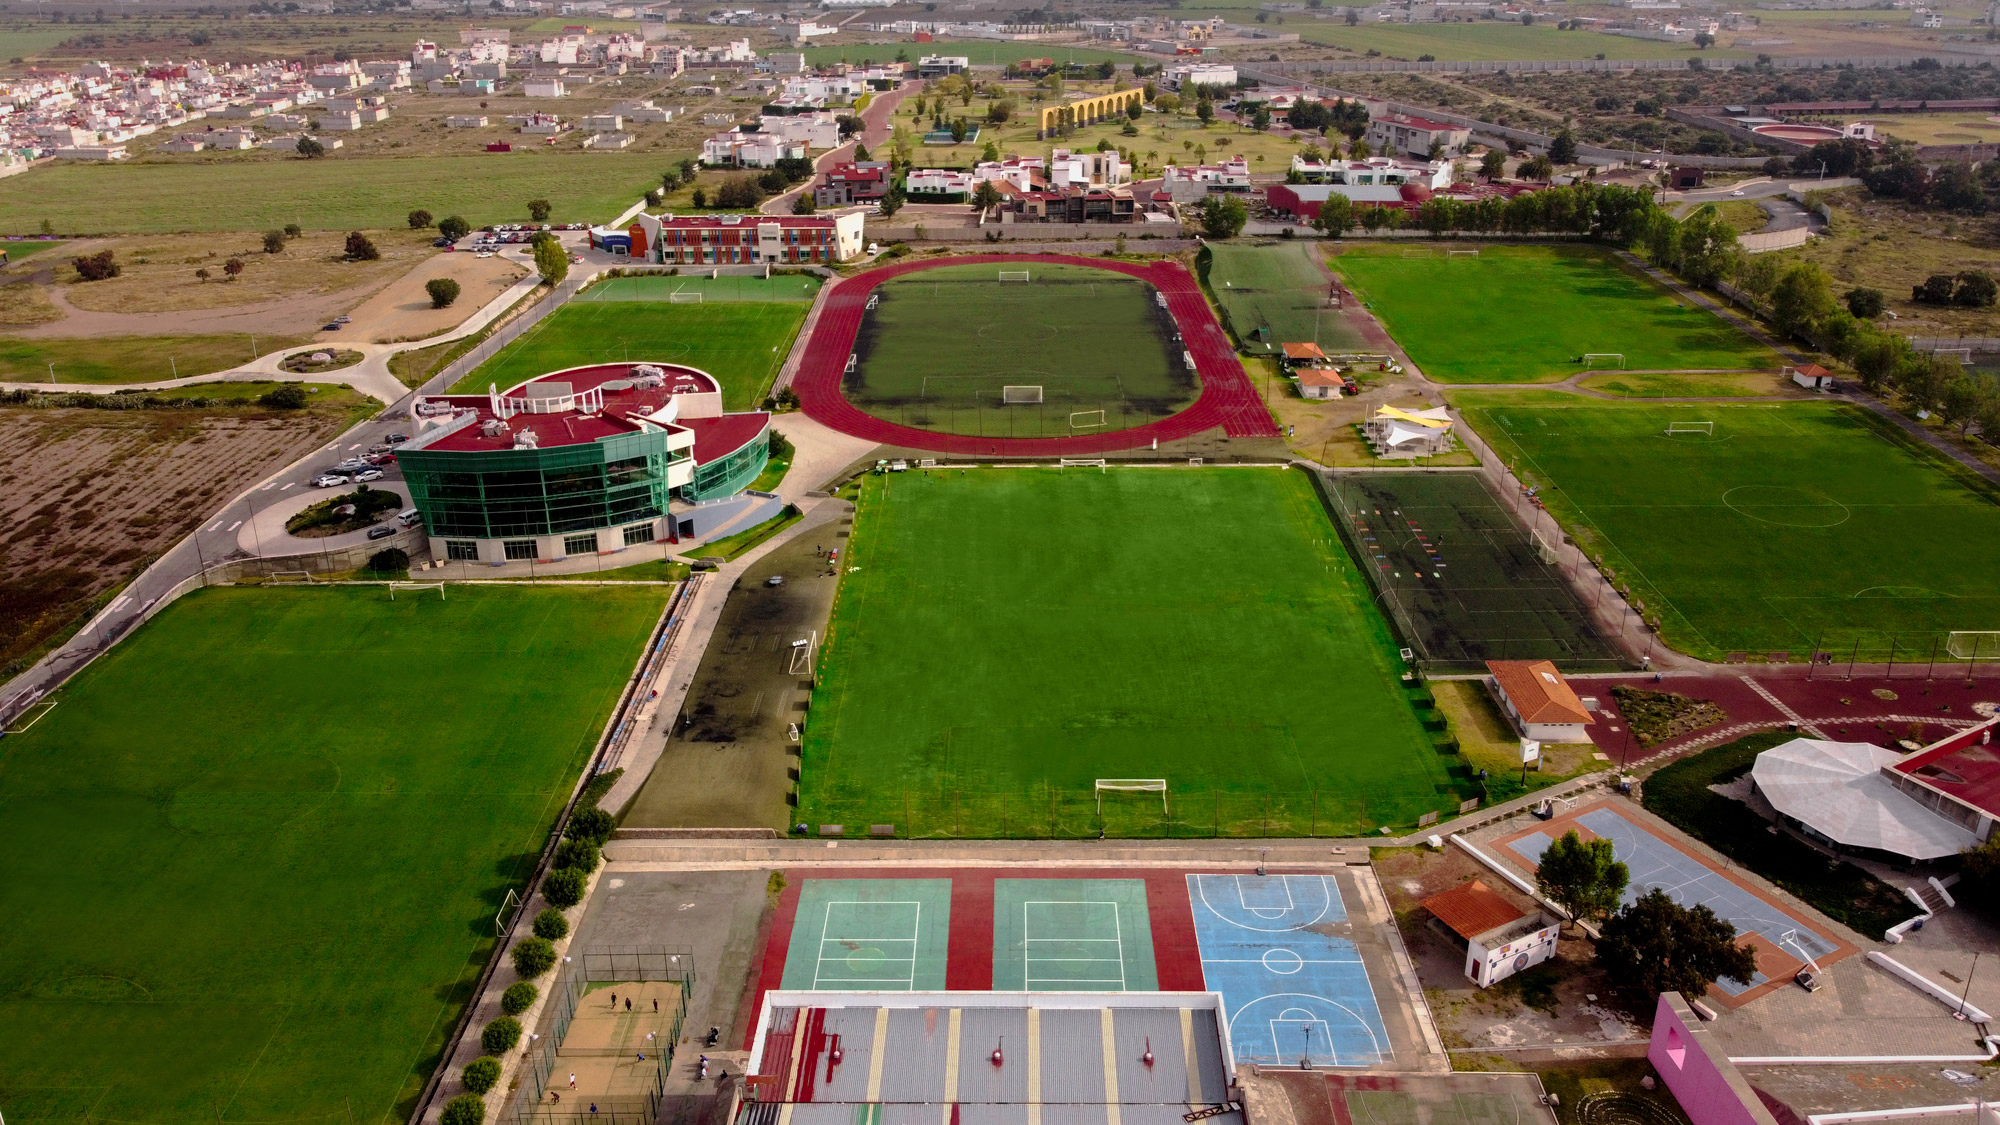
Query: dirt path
[(299, 316)]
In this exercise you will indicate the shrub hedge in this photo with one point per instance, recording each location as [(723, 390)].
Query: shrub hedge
[(481, 1074), (519, 997), (578, 855), (564, 887), (552, 925), (499, 1036), (465, 1109), (534, 956)]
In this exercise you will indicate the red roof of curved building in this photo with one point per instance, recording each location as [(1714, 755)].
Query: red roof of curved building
[(572, 426)]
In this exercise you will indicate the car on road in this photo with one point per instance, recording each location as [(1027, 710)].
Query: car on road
[(409, 517), (351, 466), (576, 259), (775, 580), (1739, 191), (441, 242), (366, 475), (328, 480), (396, 439), (330, 326), (343, 320), (381, 532)]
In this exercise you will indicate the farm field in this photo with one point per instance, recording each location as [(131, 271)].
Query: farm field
[(334, 193), (1275, 294), (1005, 637), (273, 907), (1488, 40), (938, 351), (1524, 314), (1773, 533), (740, 333)]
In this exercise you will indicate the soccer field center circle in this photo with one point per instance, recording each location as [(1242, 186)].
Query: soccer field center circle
[(1786, 506), (1227, 398)]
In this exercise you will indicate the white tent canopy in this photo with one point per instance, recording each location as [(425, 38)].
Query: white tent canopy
[(1838, 790)]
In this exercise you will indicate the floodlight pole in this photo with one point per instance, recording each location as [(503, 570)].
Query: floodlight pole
[(1961, 996)]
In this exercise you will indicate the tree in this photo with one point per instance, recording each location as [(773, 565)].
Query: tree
[(538, 210), (1134, 112), (100, 266), (360, 249), (1923, 379), (1582, 876), (989, 154), (1864, 304), (576, 855), (1562, 149), (1664, 947), (480, 1075), (985, 197), (1801, 299), (233, 267), (795, 169), (519, 997), (419, 219), (551, 262), (1205, 111), (653, 197), (1167, 103), (892, 201), (453, 227), (274, 242), (1260, 118), (551, 924), (310, 148), (804, 205), (290, 396), (201, 275), (1959, 404), (499, 1036), (1877, 357), (293, 230), (1336, 215), (1536, 168), (699, 199), (465, 1109), (1703, 40), (443, 291), (1975, 289), (533, 956), (1934, 290), (1223, 216), (564, 888), (1493, 164), (1704, 245)]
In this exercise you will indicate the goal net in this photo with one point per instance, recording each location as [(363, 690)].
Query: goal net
[(1962, 355), (1014, 275), (415, 588), (29, 717), (1691, 428), (1604, 359), (1461, 253), (1424, 252), (1971, 646), (684, 297), (1022, 394), (1086, 419), (1131, 785), (802, 654), (1082, 463), (1544, 550), (292, 578)]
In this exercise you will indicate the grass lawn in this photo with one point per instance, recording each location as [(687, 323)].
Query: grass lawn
[(273, 906), (1722, 384), (1523, 314), (1679, 793), (1793, 524), (1485, 41), (982, 52), (741, 343), (939, 349), (127, 359), (334, 193), (1278, 288), (19, 250), (1003, 638), (730, 546)]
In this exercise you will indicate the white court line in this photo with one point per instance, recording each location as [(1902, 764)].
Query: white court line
[(916, 931), (1117, 936), (1201, 884), (1284, 881)]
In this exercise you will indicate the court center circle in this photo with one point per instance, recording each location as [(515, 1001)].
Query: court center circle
[(1785, 506), (1283, 961)]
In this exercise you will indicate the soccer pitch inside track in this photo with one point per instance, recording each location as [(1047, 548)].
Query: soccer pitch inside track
[(943, 343), (1004, 637)]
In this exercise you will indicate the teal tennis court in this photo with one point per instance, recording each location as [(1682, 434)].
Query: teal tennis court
[(1072, 935), (877, 935)]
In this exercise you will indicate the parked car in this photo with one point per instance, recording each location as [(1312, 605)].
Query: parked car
[(441, 242), (330, 326), (351, 465), (383, 458), (381, 532), (366, 475), (396, 439), (409, 517), (329, 480), (1808, 980), (343, 320)]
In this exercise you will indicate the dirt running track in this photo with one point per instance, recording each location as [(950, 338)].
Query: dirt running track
[(1227, 397)]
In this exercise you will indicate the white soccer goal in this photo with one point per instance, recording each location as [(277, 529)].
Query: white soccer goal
[(1971, 646), (1015, 275), (31, 716), (874, 299), (802, 655), (1082, 463), (1014, 395), (1544, 550), (416, 588), (1461, 253), (1420, 252), (1691, 428), (508, 906), (1086, 419), (852, 360), (1962, 355), (293, 578), (684, 297), (1604, 359), (1131, 785)]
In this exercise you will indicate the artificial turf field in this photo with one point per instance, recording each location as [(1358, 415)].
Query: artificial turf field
[(1794, 524), (1524, 314), (943, 342), (256, 849), (1274, 294), (1004, 637), (739, 333)]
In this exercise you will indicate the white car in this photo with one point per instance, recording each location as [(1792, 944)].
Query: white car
[(366, 475), (328, 480)]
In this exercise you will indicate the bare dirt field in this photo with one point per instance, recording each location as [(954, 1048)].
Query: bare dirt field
[(159, 270), (95, 495), (402, 310)]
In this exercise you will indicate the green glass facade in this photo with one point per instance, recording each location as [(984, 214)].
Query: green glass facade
[(498, 494), (731, 474)]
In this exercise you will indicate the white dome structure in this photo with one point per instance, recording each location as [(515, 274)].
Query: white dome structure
[(1836, 791)]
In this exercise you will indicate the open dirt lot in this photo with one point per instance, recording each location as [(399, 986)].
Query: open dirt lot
[(159, 270), (96, 494), (402, 310)]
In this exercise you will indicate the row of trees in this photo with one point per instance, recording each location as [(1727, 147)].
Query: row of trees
[(1609, 213)]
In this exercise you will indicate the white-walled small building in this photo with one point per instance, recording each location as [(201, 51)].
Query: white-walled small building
[(1500, 938), (1537, 700)]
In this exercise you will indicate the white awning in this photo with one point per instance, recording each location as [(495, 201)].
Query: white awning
[(1837, 789)]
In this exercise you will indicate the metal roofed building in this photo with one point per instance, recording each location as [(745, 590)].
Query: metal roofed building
[(1840, 793), (991, 1058)]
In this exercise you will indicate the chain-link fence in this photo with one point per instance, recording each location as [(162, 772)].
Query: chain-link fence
[(641, 1085)]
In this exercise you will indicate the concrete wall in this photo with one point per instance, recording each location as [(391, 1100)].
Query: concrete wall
[(1694, 1067)]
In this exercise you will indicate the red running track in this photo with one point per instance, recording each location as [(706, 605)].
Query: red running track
[(1227, 397)]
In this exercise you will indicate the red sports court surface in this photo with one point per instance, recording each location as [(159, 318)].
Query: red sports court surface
[(1227, 397)]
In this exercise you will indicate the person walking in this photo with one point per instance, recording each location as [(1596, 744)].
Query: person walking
[(628, 1003), (572, 1079)]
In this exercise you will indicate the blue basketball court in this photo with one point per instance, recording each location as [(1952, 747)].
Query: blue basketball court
[(1293, 990)]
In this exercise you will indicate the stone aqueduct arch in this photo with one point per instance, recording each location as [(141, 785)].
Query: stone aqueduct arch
[(1087, 111)]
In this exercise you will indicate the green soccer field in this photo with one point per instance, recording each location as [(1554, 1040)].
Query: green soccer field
[(1792, 525), (255, 851), (1524, 314), (943, 344), (737, 336), (1275, 294), (1003, 638)]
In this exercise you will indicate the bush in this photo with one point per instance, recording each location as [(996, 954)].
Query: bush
[(538, 210), (393, 560), (519, 997), (480, 1075), (97, 267), (533, 956), (360, 249), (500, 1036), (291, 396), (453, 227), (1864, 304), (577, 855), (465, 1109), (443, 291), (419, 219), (551, 924), (274, 241), (592, 824), (565, 888), (595, 789)]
